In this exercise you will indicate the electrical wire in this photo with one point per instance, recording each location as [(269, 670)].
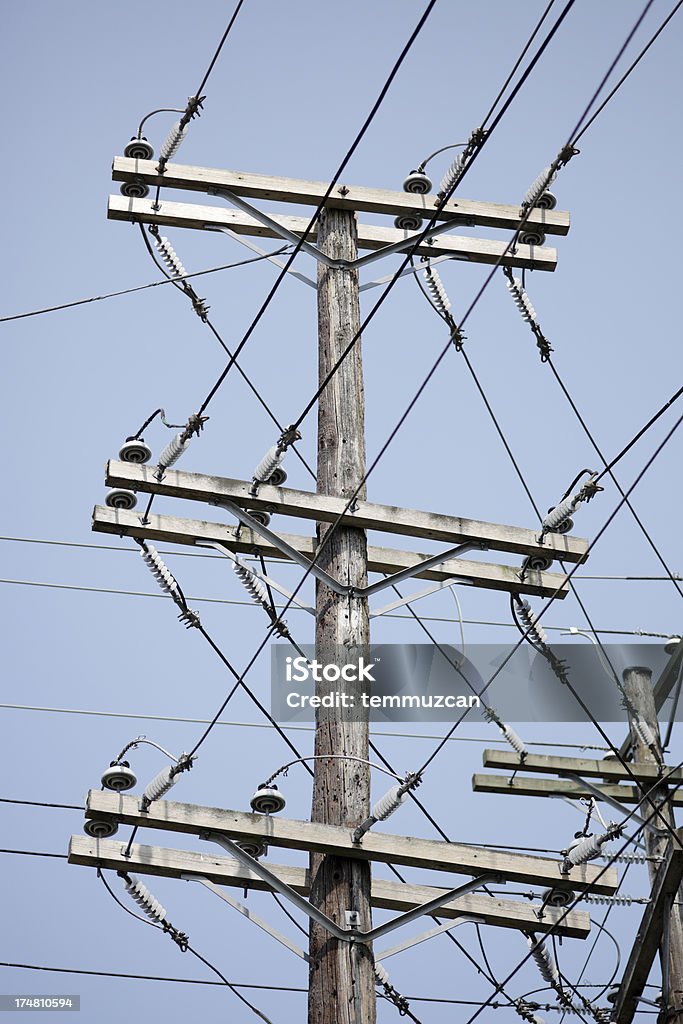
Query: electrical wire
[(146, 977), (591, 545), (630, 69), (141, 287), (291, 728), (188, 948), (335, 178)]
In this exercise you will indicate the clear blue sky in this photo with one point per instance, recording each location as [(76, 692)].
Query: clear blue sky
[(291, 88)]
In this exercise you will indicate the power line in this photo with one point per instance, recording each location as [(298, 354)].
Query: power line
[(291, 728), (139, 288), (630, 69), (283, 606), (147, 977), (278, 561)]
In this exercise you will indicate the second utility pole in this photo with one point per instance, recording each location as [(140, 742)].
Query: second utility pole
[(342, 981)]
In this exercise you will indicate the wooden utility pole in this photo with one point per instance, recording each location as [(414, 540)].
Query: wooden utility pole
[(638, 688), (342, 981)]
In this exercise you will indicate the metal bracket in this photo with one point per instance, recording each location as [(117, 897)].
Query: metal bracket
[(352, 934), (599, 795), (445, 927), (317, 254), (339, 588), (241, 909), (307, 280)]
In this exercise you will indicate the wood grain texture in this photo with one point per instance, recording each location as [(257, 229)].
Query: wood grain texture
[(370, 236), (549, 764), (397, 896), (344, 197), (327, 508), (432, 854), (526, 786), (341, 977)]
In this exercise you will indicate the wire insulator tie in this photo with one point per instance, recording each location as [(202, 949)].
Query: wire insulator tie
[(539, 186), (169, 255)]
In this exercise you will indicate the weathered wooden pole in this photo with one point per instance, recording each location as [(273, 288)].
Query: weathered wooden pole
[(638, 688), (342, 984)]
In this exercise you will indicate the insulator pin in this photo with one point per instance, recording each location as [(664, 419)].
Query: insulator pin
[(144, 899)]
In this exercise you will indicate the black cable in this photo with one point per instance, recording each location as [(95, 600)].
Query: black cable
[(610, 465), (140, 287), (519, 61), (335, 178), (41, 803), (630, 69), (36, 853), (247, 380), (216, 55), (573, 136), (291, 917), (540, 614), (143, 977), (425, 231)]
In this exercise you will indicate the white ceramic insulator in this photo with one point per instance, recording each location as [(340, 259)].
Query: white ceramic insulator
[(617, 900), (515, 741), (544, 962), (159, 785), (452, 173), (644, 732), (381, 974), (626, 858), (521, 300), (172, 452), (437, 290), (268, 464), (144, 899), (540, 185), (560, 513), (585, 850), (252, 583), (389, 803), (169, 256), (171, 143), (161, 573), (531, 622)]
